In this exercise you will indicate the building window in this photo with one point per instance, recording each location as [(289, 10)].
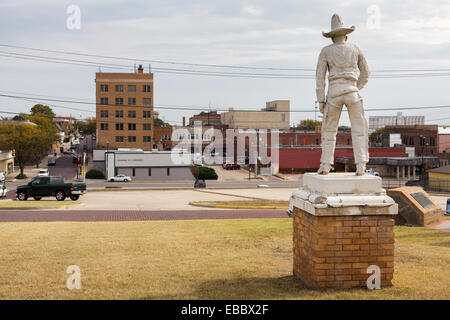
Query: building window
[(147, 138), (348, 141), (119, 126), (119, 114), (134, 172), (103, 126), (104, 114), (411, 141), (104, 101), (132, 139), (432, 142), (131, 114), (119, 138), (149, 172), (168, 171), (131, 101), (147, 114), (132, 126), (119, 88), (317, 141), (146, 88), (119, 101), (146, 126), (283, 117), (103, 88), (131, 88), (146, 101)]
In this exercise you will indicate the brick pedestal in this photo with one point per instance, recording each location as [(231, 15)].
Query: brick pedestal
[(335, 251), (337, 236)]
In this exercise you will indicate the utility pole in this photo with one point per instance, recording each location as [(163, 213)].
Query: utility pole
[(315, 110)]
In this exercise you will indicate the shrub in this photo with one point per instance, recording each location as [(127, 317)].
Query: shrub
[(21, 176), (95, 174), (206, 173)]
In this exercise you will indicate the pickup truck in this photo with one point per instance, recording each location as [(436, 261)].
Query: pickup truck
[(51, 186)]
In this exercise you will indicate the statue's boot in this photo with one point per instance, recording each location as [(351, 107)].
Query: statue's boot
[(360, 169), (324, 168)]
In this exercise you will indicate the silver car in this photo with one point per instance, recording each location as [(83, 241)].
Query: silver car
[(120, 178)]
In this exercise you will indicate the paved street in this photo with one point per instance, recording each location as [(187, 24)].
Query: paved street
[(133, 215)]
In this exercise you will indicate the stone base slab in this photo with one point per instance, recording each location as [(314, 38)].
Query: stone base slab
[(342, 183)]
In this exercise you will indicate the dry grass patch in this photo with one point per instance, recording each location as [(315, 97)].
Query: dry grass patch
[(203, 259), (36, 204)]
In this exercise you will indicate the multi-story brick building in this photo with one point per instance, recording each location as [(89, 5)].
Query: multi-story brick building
[(424, 138), (211, 118), (124, 110), (163, 138)]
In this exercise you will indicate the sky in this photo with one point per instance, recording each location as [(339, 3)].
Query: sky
[(393, 35)]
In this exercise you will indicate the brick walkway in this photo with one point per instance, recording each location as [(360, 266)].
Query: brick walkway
[(101, 215)]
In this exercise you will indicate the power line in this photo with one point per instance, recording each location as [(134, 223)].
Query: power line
[(201, 64), (199, 108), (428, 72)]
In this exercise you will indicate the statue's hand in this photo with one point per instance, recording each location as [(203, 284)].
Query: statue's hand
[(322, 106)]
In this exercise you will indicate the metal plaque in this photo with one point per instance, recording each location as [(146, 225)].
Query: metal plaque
[(422, 199)]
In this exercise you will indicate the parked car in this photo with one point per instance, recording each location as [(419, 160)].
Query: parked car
[(75, 159), (50, 186), (120, 178), (372, 172), (2, 176), (3, 191), (231, 166), (51, 162), (200, 183), (43, 173), (413, 183)]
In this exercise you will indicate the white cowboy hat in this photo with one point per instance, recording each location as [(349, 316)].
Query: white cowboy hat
[(338, 28)]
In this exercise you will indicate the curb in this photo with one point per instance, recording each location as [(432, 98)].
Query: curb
[(224, 206), (29, 208), (169, 189)]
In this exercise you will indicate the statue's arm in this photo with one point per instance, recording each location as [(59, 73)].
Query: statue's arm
[(364, 71), (321, 72)]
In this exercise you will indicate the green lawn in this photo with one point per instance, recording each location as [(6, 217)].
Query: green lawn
[(203, 259)]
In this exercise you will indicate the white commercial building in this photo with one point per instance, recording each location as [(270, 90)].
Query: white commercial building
[(377, 122), (143, 165)]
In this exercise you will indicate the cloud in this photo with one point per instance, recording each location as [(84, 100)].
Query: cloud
[(412, 35), (252, 10)]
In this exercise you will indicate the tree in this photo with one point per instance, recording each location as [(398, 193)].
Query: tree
[(48, 135), (20, 117), (344, 128), (89, 126), (43, 110), (160, 123), (375, 137), (25, 139), (308, 125)]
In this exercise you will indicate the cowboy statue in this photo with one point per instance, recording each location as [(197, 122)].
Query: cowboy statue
[(342, 59)]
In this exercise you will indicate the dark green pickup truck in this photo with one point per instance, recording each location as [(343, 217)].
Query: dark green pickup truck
[(41, 187)]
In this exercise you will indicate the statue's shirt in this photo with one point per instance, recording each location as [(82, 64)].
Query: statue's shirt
[(342, 62)]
